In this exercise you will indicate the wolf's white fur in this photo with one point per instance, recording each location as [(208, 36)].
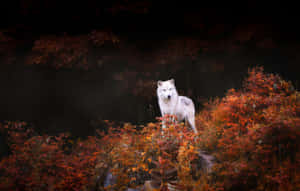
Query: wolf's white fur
[(172, 104)]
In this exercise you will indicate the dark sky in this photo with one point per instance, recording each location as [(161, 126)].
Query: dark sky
[(137, 18), (163, 16)]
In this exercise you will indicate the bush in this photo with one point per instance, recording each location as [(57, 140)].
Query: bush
[(253, 133)]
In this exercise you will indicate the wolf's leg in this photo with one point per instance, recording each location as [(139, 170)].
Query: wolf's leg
[(191, 121), (174, 120), (163, 125)]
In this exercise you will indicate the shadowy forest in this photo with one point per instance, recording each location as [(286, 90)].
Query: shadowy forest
[(78, 103)]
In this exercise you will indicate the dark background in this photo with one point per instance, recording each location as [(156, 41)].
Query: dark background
[(156, 39)]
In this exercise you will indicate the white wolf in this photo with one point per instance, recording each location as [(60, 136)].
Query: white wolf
[(171, 103)]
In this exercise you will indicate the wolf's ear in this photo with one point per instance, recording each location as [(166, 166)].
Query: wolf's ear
[(172, 81), (159, 83)]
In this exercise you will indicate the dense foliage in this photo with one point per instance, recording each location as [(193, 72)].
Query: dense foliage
[(253, 133)]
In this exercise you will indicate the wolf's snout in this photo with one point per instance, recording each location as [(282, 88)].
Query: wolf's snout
[(169, 97)]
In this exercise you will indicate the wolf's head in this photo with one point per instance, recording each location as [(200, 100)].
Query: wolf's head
[(166, 90)]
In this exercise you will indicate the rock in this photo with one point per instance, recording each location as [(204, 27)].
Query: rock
[(109, 180), (133, 189), (148, 186), (207, 161)]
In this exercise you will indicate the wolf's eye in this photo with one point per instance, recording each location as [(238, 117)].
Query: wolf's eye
[(164, 90), (171, 89)]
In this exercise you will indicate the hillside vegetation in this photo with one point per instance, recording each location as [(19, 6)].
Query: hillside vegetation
[(253, 134)]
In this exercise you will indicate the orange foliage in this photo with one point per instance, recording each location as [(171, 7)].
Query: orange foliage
[(254, 134), (69, 51)]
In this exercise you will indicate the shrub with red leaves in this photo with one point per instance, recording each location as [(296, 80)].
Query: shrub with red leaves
[(253, 133)]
